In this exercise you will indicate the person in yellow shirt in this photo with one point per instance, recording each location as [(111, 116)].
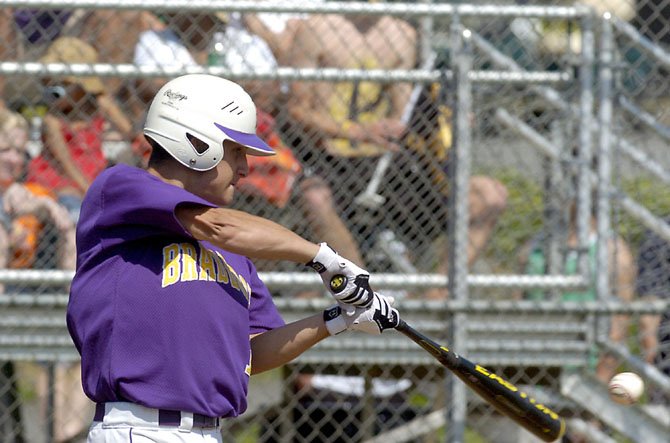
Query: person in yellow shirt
[(346, 126)]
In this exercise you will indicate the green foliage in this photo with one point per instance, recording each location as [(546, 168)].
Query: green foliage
[(471, 436), (523, 217), (248, 434), (518, 224), (651, 194)]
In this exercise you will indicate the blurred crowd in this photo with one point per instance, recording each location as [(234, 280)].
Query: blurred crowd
[(57, 133)]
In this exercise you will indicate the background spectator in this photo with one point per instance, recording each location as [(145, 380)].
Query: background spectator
[(349, 125), (622, 281), (82, 114), (653, 282), (28, 211)]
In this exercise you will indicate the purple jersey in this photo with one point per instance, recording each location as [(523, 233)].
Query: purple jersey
[(159, 318)]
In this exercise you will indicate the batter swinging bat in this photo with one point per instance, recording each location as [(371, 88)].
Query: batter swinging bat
[(498, 392)]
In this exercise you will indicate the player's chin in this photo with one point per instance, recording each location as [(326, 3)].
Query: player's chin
[(226, 198), (219, 197)]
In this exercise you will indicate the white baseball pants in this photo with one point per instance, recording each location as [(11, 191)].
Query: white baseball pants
[(130, 423)]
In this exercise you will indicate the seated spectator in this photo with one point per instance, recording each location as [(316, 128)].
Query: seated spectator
[(82, 114), (622, 281), (245, 51), (345, 127), (27, 210), (653, 282)]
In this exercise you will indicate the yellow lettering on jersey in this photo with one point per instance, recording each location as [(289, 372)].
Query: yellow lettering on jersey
[(221, 269), (189, 270), (246, 288), (234, 278), (237, 281), (247, 368), (171, 265), (207, 271)]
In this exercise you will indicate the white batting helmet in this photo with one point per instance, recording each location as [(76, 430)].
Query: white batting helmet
[(192, 115)]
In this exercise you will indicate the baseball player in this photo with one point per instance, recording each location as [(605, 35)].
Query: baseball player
[(166, 308)]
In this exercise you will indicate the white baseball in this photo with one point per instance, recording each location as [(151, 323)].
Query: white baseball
[(626, 388)]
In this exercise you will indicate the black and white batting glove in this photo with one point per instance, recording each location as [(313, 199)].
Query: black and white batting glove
[(380, 316), (348, 283)]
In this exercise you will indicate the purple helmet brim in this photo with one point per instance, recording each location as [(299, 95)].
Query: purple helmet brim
[(255, 145)]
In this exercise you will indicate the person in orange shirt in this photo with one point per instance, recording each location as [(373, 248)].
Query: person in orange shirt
[(27, 209), (273, 177)]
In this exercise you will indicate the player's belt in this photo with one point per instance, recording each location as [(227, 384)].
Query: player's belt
[(162, 417)]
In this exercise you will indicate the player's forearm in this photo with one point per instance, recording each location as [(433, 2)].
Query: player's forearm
[(275, 348), (246, 234)]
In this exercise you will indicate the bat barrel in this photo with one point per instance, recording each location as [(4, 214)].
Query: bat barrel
[(498, 392)]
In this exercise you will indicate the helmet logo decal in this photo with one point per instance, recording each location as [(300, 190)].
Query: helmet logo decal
[(174, 96), (233, 109)]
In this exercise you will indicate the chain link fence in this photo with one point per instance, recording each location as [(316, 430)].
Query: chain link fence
[(500, 168)]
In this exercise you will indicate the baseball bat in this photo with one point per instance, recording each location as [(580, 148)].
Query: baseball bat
[(498, 392)]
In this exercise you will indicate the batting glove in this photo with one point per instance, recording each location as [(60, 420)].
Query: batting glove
[(348, 283), (374, 320)]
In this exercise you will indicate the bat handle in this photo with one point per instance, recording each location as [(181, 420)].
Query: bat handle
[(402, 325)]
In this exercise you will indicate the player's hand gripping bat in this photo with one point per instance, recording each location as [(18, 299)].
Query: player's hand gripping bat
[(498, 392)]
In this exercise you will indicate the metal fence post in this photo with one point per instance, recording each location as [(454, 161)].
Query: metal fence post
[(585, 144), (604, 158), (555, 217), (459, 215)]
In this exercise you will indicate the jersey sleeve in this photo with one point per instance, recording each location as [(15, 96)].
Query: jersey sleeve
[(129, 203), (263, 314)]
